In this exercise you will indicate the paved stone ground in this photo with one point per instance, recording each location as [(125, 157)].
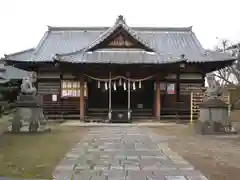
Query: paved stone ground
[(124, 153)]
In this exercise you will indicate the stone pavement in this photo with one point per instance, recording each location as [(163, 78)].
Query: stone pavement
[(124, 153)]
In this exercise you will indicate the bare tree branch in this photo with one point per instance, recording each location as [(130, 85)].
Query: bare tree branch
[(224, 79), (231, 74)]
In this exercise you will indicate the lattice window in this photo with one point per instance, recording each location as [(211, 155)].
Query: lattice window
[(71, 88)]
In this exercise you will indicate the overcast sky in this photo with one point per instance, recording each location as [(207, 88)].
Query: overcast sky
[(23, 22)]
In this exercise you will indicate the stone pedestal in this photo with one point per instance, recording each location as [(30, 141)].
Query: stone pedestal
[(28, 113), (213, 117)]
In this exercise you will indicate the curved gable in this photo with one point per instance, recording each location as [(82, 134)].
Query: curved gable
[(119, 36)]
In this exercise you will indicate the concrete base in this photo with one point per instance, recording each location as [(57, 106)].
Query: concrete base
[(133, 124), (28, 113), (213, 117), (25, 129), (213, 128)]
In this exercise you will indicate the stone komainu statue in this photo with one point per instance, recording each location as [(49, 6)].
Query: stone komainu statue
[(214, 89), (28, 106), (27, 87)]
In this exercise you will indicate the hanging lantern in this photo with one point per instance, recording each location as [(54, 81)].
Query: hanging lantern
[(106, 86), (114, 86), (124, 86), (134, 86), (99, 84), (139, 85), (120, 82)]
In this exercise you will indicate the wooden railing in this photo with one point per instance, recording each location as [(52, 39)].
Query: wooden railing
[(196, 98)]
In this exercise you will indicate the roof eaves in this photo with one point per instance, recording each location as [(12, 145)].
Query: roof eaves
[(15, 56), (159, 59), (211, 56), (19, 52)]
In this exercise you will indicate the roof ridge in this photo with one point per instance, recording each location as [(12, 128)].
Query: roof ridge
[(103, 28)]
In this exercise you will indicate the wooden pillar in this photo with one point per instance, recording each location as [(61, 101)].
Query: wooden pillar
[(129, 97), (157, 100), (82, 104), (110, 97), (154, 98), (178, 87)]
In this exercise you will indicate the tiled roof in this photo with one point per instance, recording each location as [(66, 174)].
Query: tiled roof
[(11, 73), (166, 41), (3, 81), (136, 56), (20, 56), (70, 42), (14, 73), (112, 56)]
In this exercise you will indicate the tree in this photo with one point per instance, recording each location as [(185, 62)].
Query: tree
[(230, 74)]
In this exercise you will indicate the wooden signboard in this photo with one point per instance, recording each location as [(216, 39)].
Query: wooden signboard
[(171, 88)]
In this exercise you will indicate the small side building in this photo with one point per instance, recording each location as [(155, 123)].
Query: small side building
[(10, 81)]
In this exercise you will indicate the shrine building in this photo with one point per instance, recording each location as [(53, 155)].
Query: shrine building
[(118, 73)]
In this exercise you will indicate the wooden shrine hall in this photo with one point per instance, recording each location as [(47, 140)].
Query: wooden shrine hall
[(118, 73)]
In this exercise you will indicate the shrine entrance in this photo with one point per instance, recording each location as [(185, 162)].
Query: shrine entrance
[(119, 98), (133, 99)]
